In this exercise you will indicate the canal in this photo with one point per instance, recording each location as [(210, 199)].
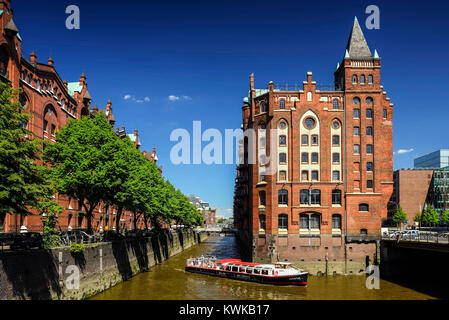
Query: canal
[(168, 281)]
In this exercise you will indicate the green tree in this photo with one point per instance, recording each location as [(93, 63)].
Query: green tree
[(430, 216), (399, 216), (82, 159), (417, 218), (445, 217), (22, 182), (50, 211)]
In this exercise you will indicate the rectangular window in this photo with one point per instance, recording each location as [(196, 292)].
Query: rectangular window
[(369, 113), (305, 157), (315, 197), (314, 157), (336, 175), (336, 158), (45, 125), (305, 140), (282, 158), (304, 196), (369, 131), (282, 140), (385, 114), (356, 131), (335, 140), (356, 113), (305, 175), (336, 221), (369, 166), (304, 221), (356, 149), (369, 184), (314, 140), (369, 149), (282, 175), (336, 197), (314, 175)]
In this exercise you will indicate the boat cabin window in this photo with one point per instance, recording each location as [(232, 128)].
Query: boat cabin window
[(281, 266), (242, 269), (249, 270), (265, 271), (256, 271), (236, 269)]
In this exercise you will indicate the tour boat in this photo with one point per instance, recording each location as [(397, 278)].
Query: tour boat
[(281, 273)]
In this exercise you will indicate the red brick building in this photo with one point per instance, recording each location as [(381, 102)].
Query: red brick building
[(411, 192), (52, 102), (323, 208)]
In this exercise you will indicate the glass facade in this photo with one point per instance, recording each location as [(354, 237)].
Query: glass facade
[(437, 160)]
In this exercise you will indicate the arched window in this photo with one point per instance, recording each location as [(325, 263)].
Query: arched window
[(309, 96), (283, 197), (262, 197), (369, 131), (336, 104), (283, 222), (370, 79), (38, 85), (363, 207), (282, 104), (354, 79), (362, 79), (262, 107), (262, 222), (363, 231), (336, 221)]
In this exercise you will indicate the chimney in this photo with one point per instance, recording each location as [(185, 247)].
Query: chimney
[(51, 63), (251, 78), (109, 105), (33, 58), (309, 77)]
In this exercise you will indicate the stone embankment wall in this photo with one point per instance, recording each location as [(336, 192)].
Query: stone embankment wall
[(51, 274)]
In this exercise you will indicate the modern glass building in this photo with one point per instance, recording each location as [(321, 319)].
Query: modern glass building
[(434, 160), (439, 190)]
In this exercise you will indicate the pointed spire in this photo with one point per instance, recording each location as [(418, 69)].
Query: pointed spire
[(357, 46), (346, 54), (11, 28), (376, 55), (338, 65)]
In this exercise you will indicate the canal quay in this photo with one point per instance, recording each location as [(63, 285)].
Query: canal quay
[(169, 281)]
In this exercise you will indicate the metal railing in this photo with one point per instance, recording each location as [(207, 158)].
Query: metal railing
[(422, 236)]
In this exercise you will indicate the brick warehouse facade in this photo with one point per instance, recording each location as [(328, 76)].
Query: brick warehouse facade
[(53, 102), (323, 208)]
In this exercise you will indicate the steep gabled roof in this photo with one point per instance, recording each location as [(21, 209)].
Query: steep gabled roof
[(357, 46)]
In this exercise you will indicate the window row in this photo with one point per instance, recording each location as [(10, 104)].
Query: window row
[(306, 221), (369, 149), (369, 131), (307, 197), (369, 113), (362, 79)]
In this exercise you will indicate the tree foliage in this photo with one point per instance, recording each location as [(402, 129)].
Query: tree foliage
[(91, 163), (22, 178), (399, 216), (430, 216)]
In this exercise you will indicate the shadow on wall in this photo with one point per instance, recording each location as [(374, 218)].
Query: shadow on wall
[(32, 275)]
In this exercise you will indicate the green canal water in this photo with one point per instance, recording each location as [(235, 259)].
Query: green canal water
[(168, 281)]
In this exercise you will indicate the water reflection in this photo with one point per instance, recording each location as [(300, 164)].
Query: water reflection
[(168, 281)]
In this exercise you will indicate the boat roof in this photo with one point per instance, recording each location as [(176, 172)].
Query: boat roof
[(284, 263)]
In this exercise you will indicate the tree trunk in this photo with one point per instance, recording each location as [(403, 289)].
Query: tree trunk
[(117, 221), (145, 221)]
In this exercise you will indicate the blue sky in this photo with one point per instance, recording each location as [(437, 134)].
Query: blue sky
[(202, 52)]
